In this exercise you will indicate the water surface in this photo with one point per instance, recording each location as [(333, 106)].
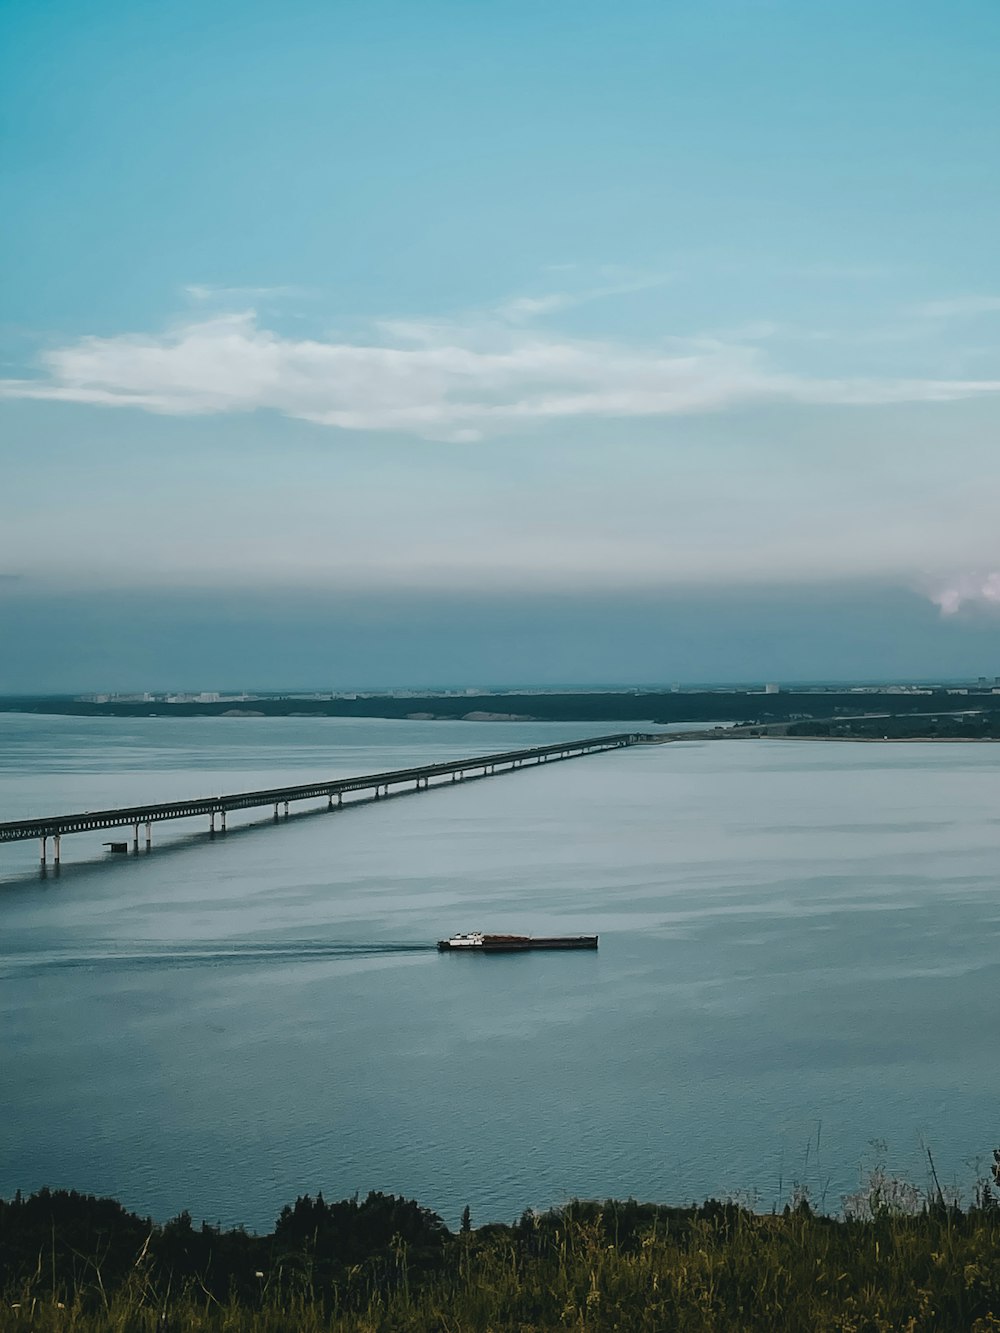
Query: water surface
[(799, 955)]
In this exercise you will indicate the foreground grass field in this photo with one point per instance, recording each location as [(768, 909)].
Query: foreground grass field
[(73, 1262)]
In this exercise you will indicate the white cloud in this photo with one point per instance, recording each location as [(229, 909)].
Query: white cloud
[(526, 307), (974, 590), (450, 381), (520, 309), (958, 307), (205, 293)]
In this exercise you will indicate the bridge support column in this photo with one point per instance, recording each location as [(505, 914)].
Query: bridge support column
[(276, 812), (329, 802), (211, 823), (135, 839), (222, 820), (56, 849), (340, 799), (149, 835), (43, 844)]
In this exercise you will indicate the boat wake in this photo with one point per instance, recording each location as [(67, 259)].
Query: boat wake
[(143, 956)]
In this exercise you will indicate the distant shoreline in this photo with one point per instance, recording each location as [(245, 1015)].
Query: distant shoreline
[(891, 740), (899, 714)]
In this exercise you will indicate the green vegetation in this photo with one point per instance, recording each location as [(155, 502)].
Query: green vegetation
[(631, 706), (897, 1260), (937, 727)]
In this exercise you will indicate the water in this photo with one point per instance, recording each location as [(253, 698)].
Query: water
[(799, 955)]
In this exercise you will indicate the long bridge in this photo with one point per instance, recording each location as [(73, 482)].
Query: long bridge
[(217, 807)]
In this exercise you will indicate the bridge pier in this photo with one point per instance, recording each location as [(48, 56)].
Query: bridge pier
[(56, 849), (420, 775)]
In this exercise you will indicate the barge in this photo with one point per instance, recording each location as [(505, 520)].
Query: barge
[(477, 942)]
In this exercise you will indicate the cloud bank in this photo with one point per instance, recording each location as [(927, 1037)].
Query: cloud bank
[(446, 381), (970, 590)]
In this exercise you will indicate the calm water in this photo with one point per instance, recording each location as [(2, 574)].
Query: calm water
[(799, 955)]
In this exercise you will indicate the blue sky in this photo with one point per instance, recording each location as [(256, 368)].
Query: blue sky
[(681, 318)]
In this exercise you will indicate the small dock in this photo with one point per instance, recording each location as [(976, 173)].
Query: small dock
[(373, 785)]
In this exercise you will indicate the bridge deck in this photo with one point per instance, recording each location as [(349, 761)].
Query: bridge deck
[(55, 825)]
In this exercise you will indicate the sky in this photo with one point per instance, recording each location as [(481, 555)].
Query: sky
[(354, 345)]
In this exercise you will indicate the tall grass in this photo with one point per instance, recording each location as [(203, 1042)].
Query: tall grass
[(592, 1266)]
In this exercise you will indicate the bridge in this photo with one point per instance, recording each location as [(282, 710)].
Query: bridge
[(379, 784)]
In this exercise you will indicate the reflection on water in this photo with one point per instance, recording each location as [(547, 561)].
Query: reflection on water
[(793, 936)]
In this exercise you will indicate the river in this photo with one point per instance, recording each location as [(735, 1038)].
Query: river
[(798, 959)]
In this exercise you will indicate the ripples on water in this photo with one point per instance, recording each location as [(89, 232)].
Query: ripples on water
[(144, 957), (798, 944)]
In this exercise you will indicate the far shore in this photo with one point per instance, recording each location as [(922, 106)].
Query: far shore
[(889, 715)]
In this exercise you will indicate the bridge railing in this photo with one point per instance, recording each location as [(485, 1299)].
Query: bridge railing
[(83, 821)]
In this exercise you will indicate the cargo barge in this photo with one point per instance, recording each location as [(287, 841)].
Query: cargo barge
[(477, 942)]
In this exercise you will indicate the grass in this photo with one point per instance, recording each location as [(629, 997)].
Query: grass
[(597, 1266)]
